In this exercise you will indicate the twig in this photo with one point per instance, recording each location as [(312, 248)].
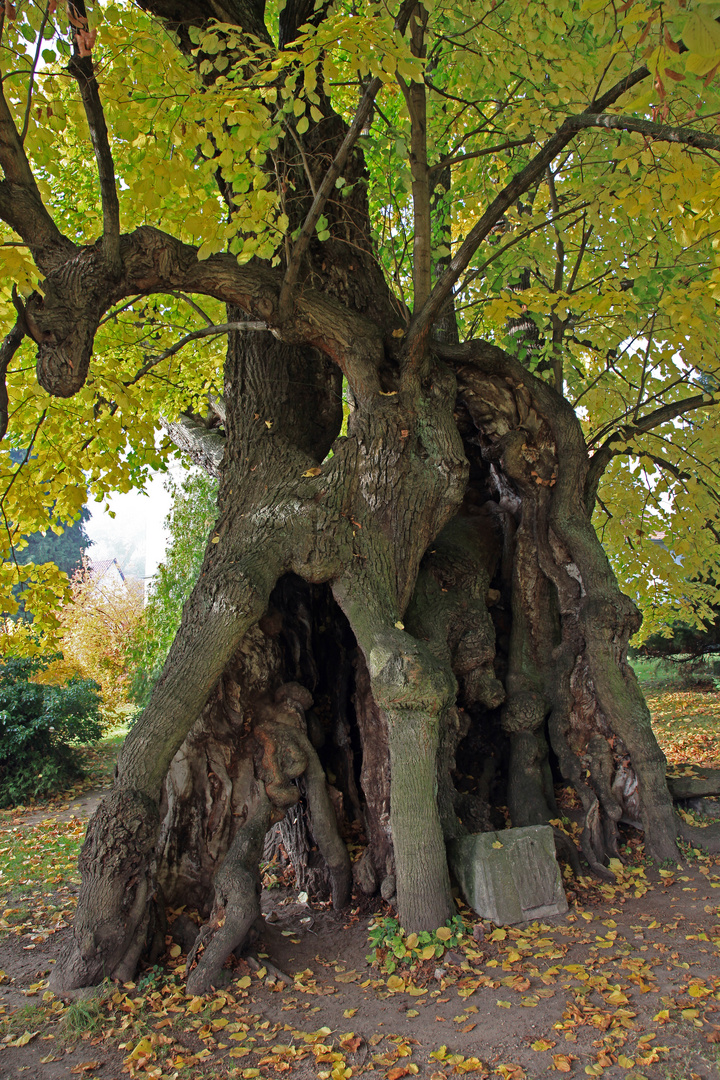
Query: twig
[(255, 964)]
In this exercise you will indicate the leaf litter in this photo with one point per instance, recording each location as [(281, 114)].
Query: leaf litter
[(626, 984)]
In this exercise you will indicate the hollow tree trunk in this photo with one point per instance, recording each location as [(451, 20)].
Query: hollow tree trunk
[(470, 591)]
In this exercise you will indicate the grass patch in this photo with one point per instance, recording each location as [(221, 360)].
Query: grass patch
[(687, 725), (83, 1018), (38, 858), (655, 675), (25, 1018)]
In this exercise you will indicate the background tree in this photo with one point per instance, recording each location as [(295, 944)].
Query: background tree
[(475, 249), (192, 514), (97, 626)]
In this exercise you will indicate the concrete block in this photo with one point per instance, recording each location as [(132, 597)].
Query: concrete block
[(510, 876)]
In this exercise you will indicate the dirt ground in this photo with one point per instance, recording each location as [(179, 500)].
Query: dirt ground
[(626, 984)]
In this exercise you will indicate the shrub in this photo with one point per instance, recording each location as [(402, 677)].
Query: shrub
[(39, 724)]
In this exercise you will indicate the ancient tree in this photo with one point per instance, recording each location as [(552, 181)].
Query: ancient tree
[(461, 257)]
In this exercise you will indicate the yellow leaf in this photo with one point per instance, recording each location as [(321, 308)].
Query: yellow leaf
[(542, 1044), (503, 1004), (197, 1005), (513, 957), (23, 1039), (497, 844), (562, 1063), (625, 1062), (395, 983), (175, 951), (411, 941), (399, 625), (216, 540), (443, 933), (428, 952), (313, 472), (143, 1049), (349, 1013), (244, 982)]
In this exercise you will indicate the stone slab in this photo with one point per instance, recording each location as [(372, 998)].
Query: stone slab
[(511, 876)]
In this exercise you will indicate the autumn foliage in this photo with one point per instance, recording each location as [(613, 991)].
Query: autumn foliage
[(96, 627)]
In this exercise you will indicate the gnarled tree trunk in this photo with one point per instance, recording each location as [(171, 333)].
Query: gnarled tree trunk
[(472, 601)]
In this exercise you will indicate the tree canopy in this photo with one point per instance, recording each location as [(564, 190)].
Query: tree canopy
[(550, 166)]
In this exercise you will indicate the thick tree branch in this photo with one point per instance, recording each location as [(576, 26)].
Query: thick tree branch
[(204, 446), (604, 455), (81, 68), (323, 192), (684, 136), (20, 203), (327, 186), (77, 295), (416, 100), (9, 347), (520, 183)]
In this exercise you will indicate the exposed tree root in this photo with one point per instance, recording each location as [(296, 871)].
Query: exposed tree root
[(237, 900), (701, 836)]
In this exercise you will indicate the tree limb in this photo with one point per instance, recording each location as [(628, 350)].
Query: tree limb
[(9, 347), (77, 295), (81, 68), (323, 192), (21, 205), (196, 335), (41, 31), (458, 159), (524, 179), (604, 455), (205, 446), (328, 183), (685, 136)]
